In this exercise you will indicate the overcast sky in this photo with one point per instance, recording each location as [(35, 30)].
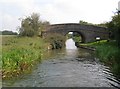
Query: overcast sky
[(56, 11)]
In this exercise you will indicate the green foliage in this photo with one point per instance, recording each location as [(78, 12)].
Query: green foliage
[(114, 26), (109, 53), (32, 25), (8, 33), (17, 61), (19, 54), (69, 36), (104, 24), (77, 37), (84, 22), (56, 40)]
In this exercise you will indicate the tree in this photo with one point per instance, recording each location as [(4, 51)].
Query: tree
[(104, 24), (87, 23), (114, 26), (84, 22), (0, 32), (26, 28), (31, 25), (42, 27), (35, 22), (44, 24)]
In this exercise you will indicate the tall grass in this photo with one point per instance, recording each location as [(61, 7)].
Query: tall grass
[(0, 61), (109, 53), (19, 54)]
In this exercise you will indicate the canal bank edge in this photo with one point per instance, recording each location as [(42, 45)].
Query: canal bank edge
[(107, 52)]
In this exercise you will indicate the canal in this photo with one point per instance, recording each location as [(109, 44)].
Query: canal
[(69, 67)]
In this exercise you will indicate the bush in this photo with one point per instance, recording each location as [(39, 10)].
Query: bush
[(114, 26), (56, 40)]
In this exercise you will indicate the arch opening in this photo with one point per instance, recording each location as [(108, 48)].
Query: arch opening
[(76, 36)]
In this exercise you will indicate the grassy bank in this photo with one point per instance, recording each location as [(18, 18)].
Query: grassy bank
[(109, 53), (19, 54)]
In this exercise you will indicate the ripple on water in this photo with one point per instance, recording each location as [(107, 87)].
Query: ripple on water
[(68, 68)]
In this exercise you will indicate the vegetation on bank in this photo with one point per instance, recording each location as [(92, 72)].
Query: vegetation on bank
[(76, 37), (55, 41), (114, 26), (19, 54), (108, 53)]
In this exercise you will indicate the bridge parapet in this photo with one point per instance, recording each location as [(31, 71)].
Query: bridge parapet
[(77, 26), (89, 32)]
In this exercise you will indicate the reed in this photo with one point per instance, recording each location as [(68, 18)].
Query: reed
[(19, 54)]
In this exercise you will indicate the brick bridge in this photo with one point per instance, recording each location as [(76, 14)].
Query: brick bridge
[(87, 32)]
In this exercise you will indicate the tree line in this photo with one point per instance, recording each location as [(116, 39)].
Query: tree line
[(8, 33)]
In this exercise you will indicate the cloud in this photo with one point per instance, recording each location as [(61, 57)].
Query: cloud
[(56, 11), (9, 22), (95, 11), (12, 10)]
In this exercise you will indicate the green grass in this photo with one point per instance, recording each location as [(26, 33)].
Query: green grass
[(109, 53), (0, 58), (77, 38), (19, 54)]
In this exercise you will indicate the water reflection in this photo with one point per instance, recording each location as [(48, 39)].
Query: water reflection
[(70, 44), (71, 49), (70, 67), (114, 81)]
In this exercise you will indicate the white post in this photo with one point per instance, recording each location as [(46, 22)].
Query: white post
[(118, 7)]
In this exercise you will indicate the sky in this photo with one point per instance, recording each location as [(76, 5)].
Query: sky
[(56, 11)]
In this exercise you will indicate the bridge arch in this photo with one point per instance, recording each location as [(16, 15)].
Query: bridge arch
[(81, 35), (88, 32)]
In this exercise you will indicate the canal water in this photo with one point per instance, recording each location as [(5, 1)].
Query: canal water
[(69, 67)]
